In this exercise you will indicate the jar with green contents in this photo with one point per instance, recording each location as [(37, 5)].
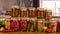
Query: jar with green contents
[(32, 24), (40, 25), (40, 13), (23, 12), (2, 24)]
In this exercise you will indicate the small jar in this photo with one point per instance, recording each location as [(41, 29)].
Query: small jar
[(40, 25), (48, 14), (40, 13), (24, 12), (15, 11), (32, 12)]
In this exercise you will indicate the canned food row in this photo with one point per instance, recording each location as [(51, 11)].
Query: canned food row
[(27, 25), (40, 13)]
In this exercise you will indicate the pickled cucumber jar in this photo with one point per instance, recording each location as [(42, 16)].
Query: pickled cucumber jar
[(40, 25), (48, 14), (23, 24), (2, 24), (40, 13), (32, 12), (14, 25), (32, 25), (15, 11), (24, 12)]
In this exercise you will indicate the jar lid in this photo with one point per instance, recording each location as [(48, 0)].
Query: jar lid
[(23, 8), (48, 10), (40, 8), (32, 8), (15, 6)]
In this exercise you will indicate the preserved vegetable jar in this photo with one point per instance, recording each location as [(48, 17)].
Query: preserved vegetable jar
[(40, 13), (32, 12), (15, 11), (48, 14), (23, 24), (40, 25), (14, 24), (24, 12), (32, 25)]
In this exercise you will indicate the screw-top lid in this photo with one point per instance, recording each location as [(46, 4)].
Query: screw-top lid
[(32, 8), (48, 10), (15, 6), (40, 8), (23, 8)]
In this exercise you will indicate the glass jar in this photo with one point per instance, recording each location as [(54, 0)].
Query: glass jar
[(24, 12), (32, 12), (32, 25), (14, 24), (23, 24), (48, 14), (40, 25), (15, 11), (40, 13)]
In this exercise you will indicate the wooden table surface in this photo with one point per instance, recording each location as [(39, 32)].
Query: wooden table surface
[(27, 33)]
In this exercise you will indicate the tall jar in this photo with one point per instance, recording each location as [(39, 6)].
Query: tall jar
[(32, 25), (14, 24), (23, 24), (48, 14), (24, 12), (32, 12), (40, 13), (15, 11), (40, 25)]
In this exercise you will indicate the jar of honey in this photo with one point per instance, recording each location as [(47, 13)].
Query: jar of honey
[(24, 12), (32, 12), (40, 13), (15, 11)]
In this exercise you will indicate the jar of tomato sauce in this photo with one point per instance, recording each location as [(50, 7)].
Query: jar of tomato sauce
[(32, 12), (15, 11), (40, 13), (23, 12)]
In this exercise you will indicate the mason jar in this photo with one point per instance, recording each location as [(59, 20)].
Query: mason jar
[(32, 12), (23, 12), (40, 13)]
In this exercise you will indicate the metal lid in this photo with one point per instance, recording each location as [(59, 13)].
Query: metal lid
[(23, 8), (32, 8)]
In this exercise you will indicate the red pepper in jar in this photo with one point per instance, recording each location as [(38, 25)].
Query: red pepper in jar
[(23, 25)]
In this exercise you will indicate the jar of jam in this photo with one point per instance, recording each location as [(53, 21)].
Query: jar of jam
[(24, 12), (15, 11), (32, 25), (40, 25), (14, 24), (48, 14), (32, 12), (40, 13), (23, 24)]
